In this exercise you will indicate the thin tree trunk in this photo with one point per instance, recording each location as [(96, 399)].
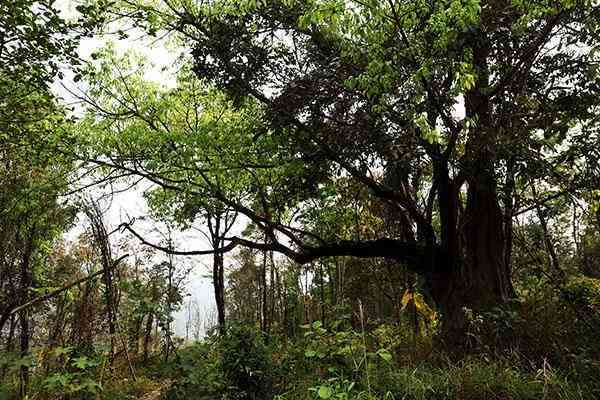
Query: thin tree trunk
[(188, 322), (103, 244), (552, 256), (216, 231), (280, 302), (148, 334), (9, 342), (263, 307), (273, 289), (219, 288), (322, 293), (330, 282), (509, 188), (24, 347), (169, 306), (26, 280), (11, 333)]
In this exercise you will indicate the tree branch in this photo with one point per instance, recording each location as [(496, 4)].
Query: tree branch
[(169, 250), (54, 293)]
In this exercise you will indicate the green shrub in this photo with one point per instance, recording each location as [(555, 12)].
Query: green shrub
[(584, 293), (198, 372), (246, 363), (234, 365)]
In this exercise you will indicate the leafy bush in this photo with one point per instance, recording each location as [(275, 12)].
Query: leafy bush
[(246, 363), (234, 365), (65, 373), (584, 294), (343, 352), (198, 372)]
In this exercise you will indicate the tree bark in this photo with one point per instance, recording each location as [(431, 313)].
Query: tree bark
[(509, 209), (219, 286), (215, 230), (219, 224), (486, 276)]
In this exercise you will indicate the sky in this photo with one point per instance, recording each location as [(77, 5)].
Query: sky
[(124, 206)]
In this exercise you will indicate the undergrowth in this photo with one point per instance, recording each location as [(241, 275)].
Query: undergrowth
[(538, 348)]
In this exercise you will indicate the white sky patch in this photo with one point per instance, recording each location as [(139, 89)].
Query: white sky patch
[(458, 111), (123, 207)]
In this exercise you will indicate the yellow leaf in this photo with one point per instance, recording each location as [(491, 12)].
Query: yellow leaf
[(406, 298)]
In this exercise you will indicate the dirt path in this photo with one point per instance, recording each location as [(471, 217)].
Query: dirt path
[(159, 392)]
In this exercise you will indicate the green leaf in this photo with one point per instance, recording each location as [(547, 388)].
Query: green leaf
[(385, 355), (62, 350), (325, 392), (83, 362)]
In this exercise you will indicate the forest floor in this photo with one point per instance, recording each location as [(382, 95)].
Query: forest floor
[(158, 392)]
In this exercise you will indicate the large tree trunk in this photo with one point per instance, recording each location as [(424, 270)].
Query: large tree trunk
[(485, 276), (475, 273)]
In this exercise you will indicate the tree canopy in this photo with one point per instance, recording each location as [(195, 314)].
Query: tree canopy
[(452, 117)]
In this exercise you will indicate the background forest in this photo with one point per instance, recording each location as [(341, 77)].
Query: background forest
[(397, 199)]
